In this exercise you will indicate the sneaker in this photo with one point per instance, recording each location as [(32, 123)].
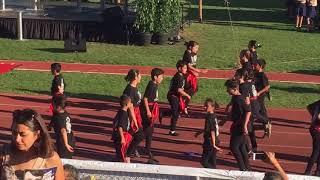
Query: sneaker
[(136, 154), (150, 155), (173, 133), (268, 130)]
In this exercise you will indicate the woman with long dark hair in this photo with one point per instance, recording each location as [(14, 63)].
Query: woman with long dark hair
[(30, 149)]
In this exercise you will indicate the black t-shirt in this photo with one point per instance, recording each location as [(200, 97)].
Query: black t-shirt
[(59, 121), (177, 82), (151, 92), (261, 81), (248, 89), (134, 94), (120, 120), (247, 66), (244, 89), (189, 58), (57, 81), (210, 125), (253, 57), (238, 113)]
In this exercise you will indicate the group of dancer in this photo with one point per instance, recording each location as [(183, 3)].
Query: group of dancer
[(135, 120)]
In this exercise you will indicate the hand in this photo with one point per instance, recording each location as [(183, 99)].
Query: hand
[(204, 70), (149, 114), (69, 148), (123, 141), (137, 128), (188, 96), (245, 130), (271, 158), (61, 90), (258, 94), (217, 148)]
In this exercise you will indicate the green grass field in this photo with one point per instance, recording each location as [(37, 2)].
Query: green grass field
[(110, 86), (284, 49)]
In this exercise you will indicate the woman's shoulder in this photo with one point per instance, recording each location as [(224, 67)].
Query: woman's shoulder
[(53, 161)]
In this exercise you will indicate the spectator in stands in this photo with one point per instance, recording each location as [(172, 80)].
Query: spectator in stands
[(311, 14), (280, 175), (70, 172), (30, 149), (301, 12)]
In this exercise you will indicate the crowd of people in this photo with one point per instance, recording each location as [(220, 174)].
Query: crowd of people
[(304, 9), (31, 147)]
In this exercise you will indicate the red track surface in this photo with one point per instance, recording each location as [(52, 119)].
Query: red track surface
[(92, 122), (123, 69)]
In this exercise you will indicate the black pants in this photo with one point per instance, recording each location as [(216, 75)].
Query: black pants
[(137, 138), (117, 146), (239, 150), (191, 93), (252, 136), (209, 158), (148, 131), (61, 148), (256, 114), (175, 109), (263, 109), (315, 156)]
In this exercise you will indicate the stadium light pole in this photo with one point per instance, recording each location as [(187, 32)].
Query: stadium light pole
[(3, 5), (200, 11)]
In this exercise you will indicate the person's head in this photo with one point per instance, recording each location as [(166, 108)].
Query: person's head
[(59, 103), (232, 86), (125, 101), (210, 105), (244, 56), (133, 76), (243, 75), (192, 46), (272, 176), (182, 67), (260, 65), (55, 68), (30, 133), (157, 75), (252, 45), (70, 172)]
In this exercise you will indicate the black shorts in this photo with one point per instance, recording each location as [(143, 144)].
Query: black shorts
[(301, 10), (311, 12)]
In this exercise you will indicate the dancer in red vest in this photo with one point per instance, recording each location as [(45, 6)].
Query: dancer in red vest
[(121, 125), (190, 58)]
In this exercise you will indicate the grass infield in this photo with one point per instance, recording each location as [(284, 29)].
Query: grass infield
[(108, 87)]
